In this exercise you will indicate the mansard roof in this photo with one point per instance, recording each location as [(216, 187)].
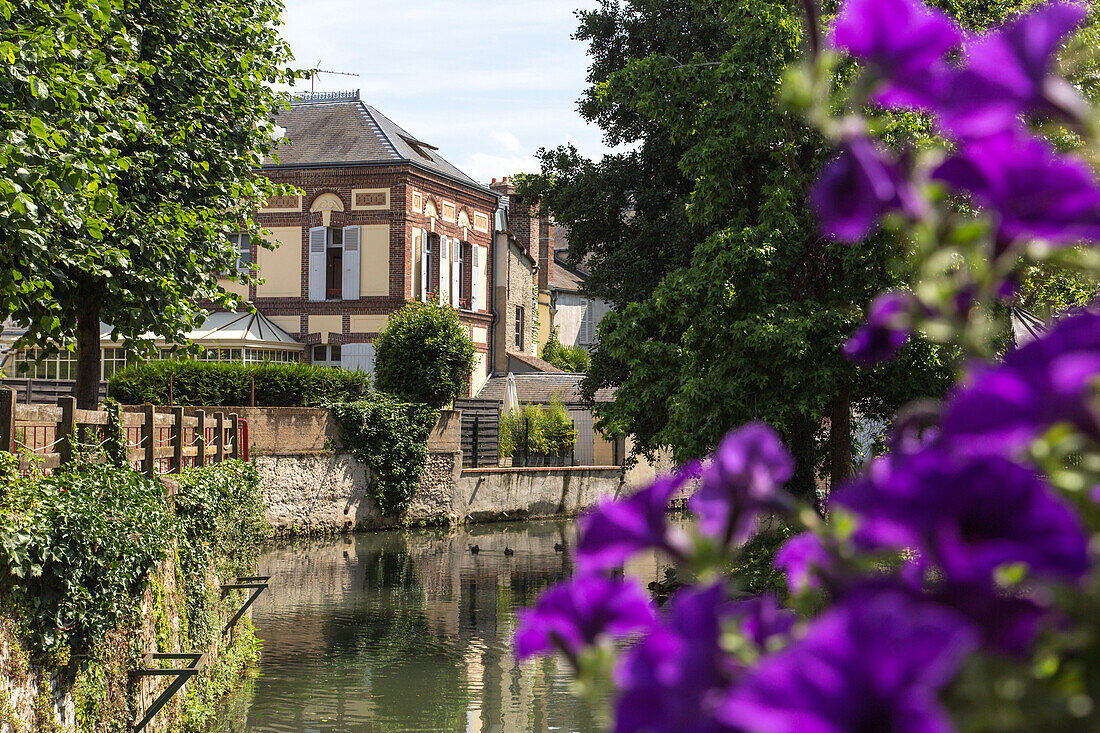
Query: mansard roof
[(337, 128)]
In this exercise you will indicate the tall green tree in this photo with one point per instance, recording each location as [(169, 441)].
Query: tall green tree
[(176, 128), (743, 315)]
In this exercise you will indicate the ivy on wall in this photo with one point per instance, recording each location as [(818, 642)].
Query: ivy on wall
[(391, 438)]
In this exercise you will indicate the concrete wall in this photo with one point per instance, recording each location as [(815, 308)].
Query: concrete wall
[(501, 493)]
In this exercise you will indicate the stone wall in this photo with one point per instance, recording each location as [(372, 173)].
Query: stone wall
[(322, 494), (514, 493)]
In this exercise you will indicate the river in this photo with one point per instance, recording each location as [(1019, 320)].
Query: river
[(409, 631)]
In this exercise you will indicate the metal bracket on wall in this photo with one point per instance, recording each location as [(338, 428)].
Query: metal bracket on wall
[(255, 583), (182, 674)]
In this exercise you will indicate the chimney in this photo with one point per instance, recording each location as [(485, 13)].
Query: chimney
[(503, 187)]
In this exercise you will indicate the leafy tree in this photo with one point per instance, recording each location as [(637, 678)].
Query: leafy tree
[(168, 105), (424, 355), (744, 318)]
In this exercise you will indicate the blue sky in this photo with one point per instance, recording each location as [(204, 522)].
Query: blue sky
[(486, 82)]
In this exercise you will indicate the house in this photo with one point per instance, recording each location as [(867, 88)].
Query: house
[(382, 218), (573, 313)]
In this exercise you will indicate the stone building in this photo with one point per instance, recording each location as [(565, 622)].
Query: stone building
[(382, 219)]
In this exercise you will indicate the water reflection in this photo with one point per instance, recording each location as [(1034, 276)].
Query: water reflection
[(409, 632)]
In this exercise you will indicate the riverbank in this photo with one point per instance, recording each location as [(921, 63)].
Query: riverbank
[(103, 567)]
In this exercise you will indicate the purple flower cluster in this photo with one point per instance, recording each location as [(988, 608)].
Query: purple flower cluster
[(917, 571)]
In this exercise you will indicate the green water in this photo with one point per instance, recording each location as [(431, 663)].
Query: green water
[(408, 631)]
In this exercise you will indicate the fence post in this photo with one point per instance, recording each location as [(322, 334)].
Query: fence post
[(200, 439), (235, 436), (66, 429), (475, 441), (148, 442), (7, 420), (219, 437), (176, 466)]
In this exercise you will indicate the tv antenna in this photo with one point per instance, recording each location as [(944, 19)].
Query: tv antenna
[(315, 71)]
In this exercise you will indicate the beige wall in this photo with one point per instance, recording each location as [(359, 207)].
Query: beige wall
[(325, 325), (282, 267), (480, 374), (374, 260), (368, 324), (479, 334), (234, 287), (290, 324)]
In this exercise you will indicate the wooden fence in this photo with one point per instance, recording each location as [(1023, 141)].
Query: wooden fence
[(480, 432), (44, 391), (155, 442)]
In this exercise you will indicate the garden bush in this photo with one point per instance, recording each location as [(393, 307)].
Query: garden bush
[(424, 355), (391, 438), (76, 549), (223, 384), (538, 430), (567, 358)]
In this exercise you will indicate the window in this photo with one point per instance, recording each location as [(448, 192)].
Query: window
[(520, 327), (334, 264), (326, 354), (259, 356), (465, 277), (33, 364), (113, 360), (244, 251)]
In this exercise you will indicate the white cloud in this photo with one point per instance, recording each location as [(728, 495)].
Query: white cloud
[(485, 167), (506, 140), (487, 86)]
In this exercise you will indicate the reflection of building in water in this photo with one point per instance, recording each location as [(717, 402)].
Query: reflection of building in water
[(411, 631)]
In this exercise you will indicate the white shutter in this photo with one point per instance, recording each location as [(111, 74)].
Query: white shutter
[(475, 276), (456, 272), (350, 282), (317, 263), (444, 268), (425, 265), (357, 357)]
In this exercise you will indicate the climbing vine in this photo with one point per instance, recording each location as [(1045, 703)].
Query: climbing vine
[(391, 438)]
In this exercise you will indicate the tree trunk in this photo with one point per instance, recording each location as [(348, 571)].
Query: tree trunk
[(88, 359), (840, 439)]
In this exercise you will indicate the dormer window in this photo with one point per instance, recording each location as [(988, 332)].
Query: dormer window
[(420, 147)]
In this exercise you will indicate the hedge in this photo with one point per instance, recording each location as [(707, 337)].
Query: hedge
[(223, 384)]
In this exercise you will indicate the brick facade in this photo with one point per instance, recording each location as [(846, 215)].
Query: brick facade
[(402, 181)]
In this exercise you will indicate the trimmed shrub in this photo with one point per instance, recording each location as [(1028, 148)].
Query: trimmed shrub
[(567, 358), (230, 384), (424, 355)]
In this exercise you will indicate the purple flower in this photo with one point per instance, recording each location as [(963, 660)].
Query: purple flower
[(871, 665), (886, 330), (801, 558), (968, 514), (1007, 623), (904, 40), (576, 613), (858, 187), (1008, 73), (615, 530), (671, 681), (1031, 189), (743, 478), (762, 619), (1048, 381)]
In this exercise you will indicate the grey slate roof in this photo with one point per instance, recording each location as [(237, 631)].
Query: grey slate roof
[(333, 129), (540, 388)]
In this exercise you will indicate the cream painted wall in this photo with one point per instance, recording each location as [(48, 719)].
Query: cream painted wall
[(374, 260), (234, 287), (479, 334), (477, 379), (325, 325), (368, 324), (290, 324), (282, 268), (417, 256), (483, 281)]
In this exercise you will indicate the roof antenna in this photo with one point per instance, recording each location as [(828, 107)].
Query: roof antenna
[(315, 71)]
